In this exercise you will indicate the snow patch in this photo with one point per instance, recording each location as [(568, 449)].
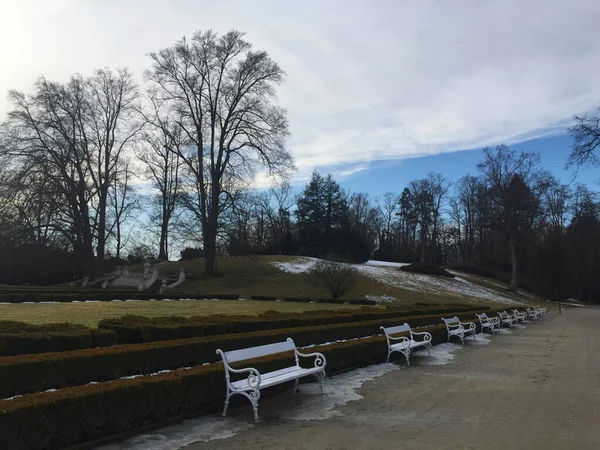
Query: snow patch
[(441, 355), (482, 339), (298, 265), (381, 298), (339, 390), (174, 437), (373, 262)]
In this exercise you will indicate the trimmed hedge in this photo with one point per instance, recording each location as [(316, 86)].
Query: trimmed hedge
[(296, 299), (32, 373), (361, 301), (17, 338), (137, 329), (263, 297), (75, 415), (106, 295), (427, 269)]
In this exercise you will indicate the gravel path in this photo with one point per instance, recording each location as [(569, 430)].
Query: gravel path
[(536, 388)]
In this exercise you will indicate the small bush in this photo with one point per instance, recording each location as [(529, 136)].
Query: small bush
[(335, 276), (427, 269)]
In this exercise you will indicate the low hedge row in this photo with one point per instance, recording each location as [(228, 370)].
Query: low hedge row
[(75, 415), (132, 329), (102, 296), (17, 338), (32, 373)]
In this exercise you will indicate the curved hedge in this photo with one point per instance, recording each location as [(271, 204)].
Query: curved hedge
[(75, 415), (132, 329), (32, 373), (17, 338)]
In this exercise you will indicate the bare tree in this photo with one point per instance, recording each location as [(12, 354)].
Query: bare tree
[(73, 136), (163, 143), (334, 276), (515, 186), (221, 91), (586, 140), (123, 203)]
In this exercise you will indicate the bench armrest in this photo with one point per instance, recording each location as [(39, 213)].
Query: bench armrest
[(320, 360), (468, 325), (426, 335), (253, 377)]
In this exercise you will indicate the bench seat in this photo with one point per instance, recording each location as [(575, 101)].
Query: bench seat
[(277, 377)]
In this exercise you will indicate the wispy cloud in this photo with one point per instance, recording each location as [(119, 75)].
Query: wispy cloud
[(368, 80)]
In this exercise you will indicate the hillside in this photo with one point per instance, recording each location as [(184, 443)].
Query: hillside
[(382, 281)]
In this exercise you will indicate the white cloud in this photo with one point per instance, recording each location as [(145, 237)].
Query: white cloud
[(367, 80)]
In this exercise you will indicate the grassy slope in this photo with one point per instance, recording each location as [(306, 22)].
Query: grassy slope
[(245, 276)]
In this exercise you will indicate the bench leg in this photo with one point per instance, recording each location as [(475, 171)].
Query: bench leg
[(320, 378), (226, 405), (407, 356), (296, 385), (429, 350)]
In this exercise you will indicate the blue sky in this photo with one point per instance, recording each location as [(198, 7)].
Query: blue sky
[(394, 175), (378, 92)]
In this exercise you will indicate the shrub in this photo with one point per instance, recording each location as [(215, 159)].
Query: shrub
[(335, 276), (190, 253), (427, 269)]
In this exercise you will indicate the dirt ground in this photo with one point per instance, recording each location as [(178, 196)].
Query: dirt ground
[(537, 388)]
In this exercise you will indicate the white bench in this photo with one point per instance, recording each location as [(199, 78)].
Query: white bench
[(406, 345), (250, 387), (541, 311), (532, 314), (506, 319), (459, 329), (489, 323), (520, 316)]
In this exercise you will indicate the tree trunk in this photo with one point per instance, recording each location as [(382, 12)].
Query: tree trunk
[(514, 280), (209, 232), (100, 250)]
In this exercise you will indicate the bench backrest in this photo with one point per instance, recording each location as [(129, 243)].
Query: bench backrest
[(482, 316), (397, 329), (258, 352), (452, 322), (503, 314)]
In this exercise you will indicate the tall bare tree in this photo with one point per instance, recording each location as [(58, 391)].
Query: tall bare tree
[(74, 134), (221, 92), (515, 185), (163, 142)]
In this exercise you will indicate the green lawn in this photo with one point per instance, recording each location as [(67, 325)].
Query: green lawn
[(90, 313)]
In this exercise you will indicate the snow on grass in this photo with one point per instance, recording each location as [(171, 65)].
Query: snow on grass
[(388, 273), (298, 265), (373, 262), (381, 298)]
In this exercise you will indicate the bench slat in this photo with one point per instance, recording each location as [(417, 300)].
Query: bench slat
[(258, 352), (270, 379), (398, 329)]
